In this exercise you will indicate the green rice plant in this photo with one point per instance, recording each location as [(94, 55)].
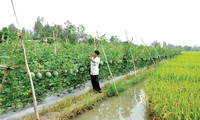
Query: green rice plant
[(173, 90)]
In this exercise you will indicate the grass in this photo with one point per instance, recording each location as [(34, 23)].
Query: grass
[(72, 106), (174, 89)]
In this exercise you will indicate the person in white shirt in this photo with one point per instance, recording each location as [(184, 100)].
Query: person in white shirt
[(94, 70)]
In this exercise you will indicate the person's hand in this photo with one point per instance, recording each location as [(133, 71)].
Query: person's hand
[(88, 54)]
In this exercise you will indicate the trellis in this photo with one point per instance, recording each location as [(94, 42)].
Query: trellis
[(8, 67)]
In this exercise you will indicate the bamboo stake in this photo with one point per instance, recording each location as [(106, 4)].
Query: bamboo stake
[(31, 82), (15, 13), (54, 42), (56, 36), (131, 52), (2, 39), (134, 67), (66, 39), (26, 64), (95, 47), (11, 68), (148, 51), (108, 66)]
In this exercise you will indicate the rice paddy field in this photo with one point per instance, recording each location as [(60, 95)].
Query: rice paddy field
[(173, 91)]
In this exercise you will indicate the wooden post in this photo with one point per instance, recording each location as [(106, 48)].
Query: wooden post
[(31, 82), (54, 42), (65, 39), (2, 38), (108, 66), (26, 64), (131, 52)]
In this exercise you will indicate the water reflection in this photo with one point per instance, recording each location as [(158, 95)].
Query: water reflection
[(129, 105)]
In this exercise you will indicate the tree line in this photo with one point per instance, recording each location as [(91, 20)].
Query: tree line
[(182, 48), (68, 33)]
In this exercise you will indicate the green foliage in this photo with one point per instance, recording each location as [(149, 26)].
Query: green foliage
[(8, 35)]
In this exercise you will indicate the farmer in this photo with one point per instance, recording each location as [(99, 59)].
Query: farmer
[(94, 70)]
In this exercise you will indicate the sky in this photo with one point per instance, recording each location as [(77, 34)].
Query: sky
[(173, 21)]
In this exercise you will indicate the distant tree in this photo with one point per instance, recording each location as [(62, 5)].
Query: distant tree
[(47, 31), (171, 46), (70, 32), (81, 33), (59, 31), (114, 39), (38, 28), (187, 48), (164, 45), (155, 44), (195, 48), (12, 28), (179, 47)]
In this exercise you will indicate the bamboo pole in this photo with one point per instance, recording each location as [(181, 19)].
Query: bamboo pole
[(11, 68), (2, 39), (108, 66), (54, 42), (15, 13), (131, 52), (65, 39), (26, 64), (95, 47), (148, 51), (31, 82)]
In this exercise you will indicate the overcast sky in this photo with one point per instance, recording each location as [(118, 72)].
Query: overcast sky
[(173, 21)]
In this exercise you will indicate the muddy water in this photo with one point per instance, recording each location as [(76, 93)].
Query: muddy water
[(129, 105)]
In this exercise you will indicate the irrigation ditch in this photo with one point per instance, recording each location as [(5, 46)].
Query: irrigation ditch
[(129, 105)]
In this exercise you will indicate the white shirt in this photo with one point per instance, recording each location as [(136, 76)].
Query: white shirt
[(94, 66)]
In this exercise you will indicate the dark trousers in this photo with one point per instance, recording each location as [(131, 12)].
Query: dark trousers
[(95, 82)]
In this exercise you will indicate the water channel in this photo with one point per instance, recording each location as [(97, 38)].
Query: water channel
[(129, 105)]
